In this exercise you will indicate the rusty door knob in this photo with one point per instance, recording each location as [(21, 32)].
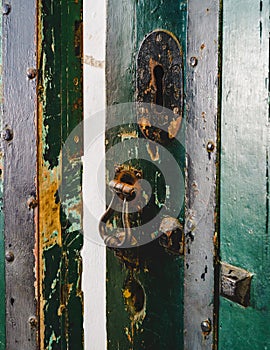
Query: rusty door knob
[(125, 188)]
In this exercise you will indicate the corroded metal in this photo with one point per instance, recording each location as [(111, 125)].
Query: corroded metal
[(20, 173), (201, 169), (126, 189), (160, 86), (235, 284)]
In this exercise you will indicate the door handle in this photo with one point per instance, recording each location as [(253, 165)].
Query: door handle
[(125, 188)]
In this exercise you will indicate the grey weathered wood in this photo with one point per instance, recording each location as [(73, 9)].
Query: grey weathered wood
[(19, 30), (202, 109)]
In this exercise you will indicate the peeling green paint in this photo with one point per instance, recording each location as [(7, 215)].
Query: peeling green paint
[(160, 274), (60, 172)]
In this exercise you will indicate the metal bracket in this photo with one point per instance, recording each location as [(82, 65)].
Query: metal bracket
[(235, 284)]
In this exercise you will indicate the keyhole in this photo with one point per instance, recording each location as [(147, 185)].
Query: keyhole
[(158, 74)]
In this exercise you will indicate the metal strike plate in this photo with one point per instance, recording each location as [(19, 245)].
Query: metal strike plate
[(235, 284), (160, 86)]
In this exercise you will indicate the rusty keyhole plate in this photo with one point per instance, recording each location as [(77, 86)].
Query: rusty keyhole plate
[(160, 86)]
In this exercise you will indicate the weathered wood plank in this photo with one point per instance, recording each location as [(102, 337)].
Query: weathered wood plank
[(59, 173), (160, 323), (201, 148), (2, 239), (245, 169), (19, 107)]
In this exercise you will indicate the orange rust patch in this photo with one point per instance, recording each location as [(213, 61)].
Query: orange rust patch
[(174, 127), (49, 226)]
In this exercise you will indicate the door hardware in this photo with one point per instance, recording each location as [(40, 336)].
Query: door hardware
[(160, 86), (125, 188), (235, 284)]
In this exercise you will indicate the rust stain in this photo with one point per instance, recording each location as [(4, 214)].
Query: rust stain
[(202, 46), (174, 127), (153, 151), (170, 56), (49, 226), (152, 84), (129, 135)]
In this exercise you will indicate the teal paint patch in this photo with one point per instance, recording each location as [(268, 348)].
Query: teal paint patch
[(244, 212), (52, 296)]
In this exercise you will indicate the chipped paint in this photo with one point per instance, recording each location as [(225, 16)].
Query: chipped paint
[(153, 151), (93, 62), (59, 175), (174, 127)]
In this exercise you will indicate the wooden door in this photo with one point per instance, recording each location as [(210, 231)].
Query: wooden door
[(244, 177), (155, 299)]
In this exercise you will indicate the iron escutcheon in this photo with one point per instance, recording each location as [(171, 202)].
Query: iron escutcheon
[(160, 86)]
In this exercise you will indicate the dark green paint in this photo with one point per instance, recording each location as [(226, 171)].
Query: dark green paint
[(160, 274), (2, 244), (62, 46), (60, 91), (244, 212)]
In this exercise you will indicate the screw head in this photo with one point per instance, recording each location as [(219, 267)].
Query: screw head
[(31, 73), (7, 134), (206, 326), (193, 61), (6, 9), (9, 256), (210, 147)]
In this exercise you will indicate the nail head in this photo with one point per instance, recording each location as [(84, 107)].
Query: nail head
[(6, 9), (7, 134), (9, 256), (31, 73), (206, 326), (193, 61)]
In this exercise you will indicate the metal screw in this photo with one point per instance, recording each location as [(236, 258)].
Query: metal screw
[(6, 9), (193, 61), (32, 203), (206, 326), (31, 73), (7, 134), (33, 322), (9, 256), (210, 146)]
